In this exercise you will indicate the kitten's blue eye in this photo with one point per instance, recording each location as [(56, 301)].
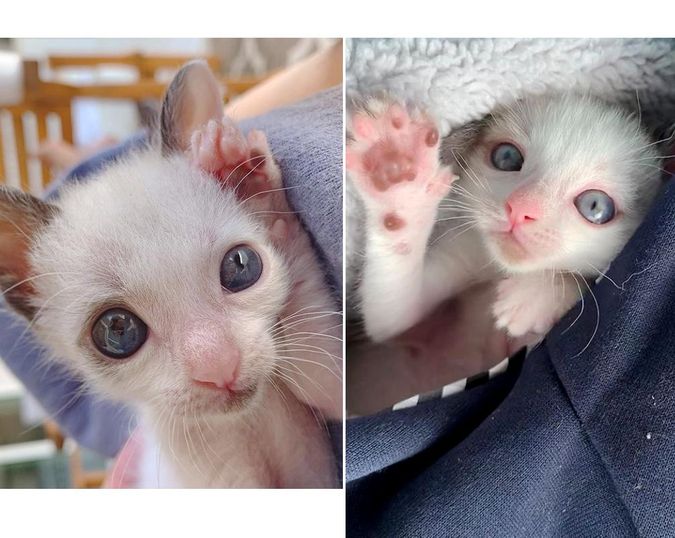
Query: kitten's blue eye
[(241, 268), (118, 333), (507, 157), (595, 206)]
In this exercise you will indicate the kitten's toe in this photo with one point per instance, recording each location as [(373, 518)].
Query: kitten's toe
[(229, 142), (262, 160), (218, 146), (520, 312)]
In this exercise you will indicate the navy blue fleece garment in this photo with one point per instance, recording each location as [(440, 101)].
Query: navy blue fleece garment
[(580, 443), (307, 139)]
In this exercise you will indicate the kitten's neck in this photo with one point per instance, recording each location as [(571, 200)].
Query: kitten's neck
[(251, 448)]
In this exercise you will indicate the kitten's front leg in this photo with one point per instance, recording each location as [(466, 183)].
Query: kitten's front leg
[(533, 303), (393, 161)]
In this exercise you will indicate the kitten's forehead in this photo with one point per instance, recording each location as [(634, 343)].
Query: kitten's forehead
[(157, 224), (575, 139), (567, 121)]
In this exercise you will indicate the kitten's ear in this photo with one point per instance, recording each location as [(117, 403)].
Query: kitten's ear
[(455, 147), (21, 218), (192, 99)]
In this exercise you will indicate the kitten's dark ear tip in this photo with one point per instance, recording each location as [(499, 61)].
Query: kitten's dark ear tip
[(21, 218), (196, 64), (192, 98), (16, 204)]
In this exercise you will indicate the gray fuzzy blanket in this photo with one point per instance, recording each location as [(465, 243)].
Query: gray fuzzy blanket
[(459, 80)]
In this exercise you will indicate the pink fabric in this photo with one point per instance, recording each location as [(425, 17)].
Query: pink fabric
[(125, 472)]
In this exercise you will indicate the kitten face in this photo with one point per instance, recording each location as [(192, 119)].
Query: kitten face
[(153, 244), (559, 183)]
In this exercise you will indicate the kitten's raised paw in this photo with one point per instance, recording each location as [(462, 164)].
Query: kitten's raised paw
[(244, 163), (522, 308), (393, 159)]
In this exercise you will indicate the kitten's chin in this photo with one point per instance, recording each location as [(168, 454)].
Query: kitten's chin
[(513, 254)]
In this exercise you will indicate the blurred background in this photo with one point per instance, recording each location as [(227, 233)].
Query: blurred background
[(62, 100)]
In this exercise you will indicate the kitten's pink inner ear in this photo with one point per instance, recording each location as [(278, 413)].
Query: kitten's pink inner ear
[(193, 98)]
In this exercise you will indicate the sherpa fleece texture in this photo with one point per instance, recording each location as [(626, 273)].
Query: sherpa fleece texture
[(459, 80)]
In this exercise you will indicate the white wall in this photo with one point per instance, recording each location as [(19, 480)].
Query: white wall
[(41, 47)]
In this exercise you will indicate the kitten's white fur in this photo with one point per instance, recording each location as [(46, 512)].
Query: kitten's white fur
[(570, 144), (148, 233)]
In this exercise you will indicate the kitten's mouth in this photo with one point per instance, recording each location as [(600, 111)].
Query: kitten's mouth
[(511, 247), (225, 398)]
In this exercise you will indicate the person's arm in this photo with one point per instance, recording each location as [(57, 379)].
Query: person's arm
[(318, 72)]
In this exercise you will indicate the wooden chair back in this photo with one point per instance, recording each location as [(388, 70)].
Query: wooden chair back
[(41, 102), (47, 103)]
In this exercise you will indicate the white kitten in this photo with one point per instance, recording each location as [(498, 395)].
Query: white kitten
[(549, 191), (180, 285)]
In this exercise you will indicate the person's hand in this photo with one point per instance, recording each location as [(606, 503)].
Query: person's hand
[(459, 339)]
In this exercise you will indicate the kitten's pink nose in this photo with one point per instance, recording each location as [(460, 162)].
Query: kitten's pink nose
[(209, 356), (220, 368), (521, 209)]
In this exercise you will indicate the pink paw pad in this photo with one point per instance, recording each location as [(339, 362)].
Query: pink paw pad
[(393, 222), (402, 248), (387, 166), (392, 148)]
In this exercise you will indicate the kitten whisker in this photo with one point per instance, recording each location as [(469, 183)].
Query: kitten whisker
[(319, 335), (604, 275), (268, 191), (581, 297), (261, 161), (261, 158), (667, 139), (318, 418), (30, 279), (464, 164), (471, 225), (284, 400), (18, 228), (334, 371), (289, 321), (205, 444), (597, 320)]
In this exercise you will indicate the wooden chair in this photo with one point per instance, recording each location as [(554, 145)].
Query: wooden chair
[(80, 476), (45, 101), (146, 66), (40, 100)]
